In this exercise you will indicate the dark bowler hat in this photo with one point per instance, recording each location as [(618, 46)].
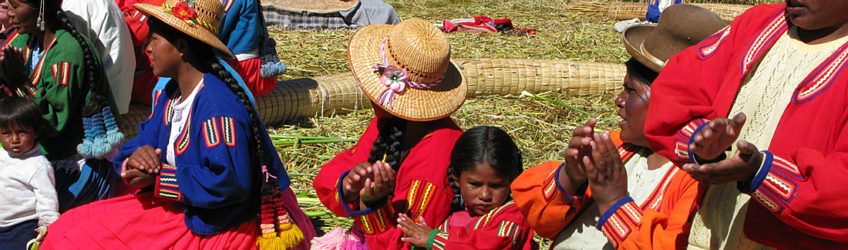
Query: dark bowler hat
[(680, 26)]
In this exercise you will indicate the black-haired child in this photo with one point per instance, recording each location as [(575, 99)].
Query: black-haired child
[(483, 163), (28, 199)]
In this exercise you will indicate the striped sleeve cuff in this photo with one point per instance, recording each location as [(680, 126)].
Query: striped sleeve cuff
[(340, 193), (375, 220), (437, 240), (775, 184), (554, 189), (166, 183), (620, 220), (683, 139)]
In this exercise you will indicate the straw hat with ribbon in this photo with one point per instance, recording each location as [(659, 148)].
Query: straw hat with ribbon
[(680, 26), (197, 18), (406, 69), (200, 19)]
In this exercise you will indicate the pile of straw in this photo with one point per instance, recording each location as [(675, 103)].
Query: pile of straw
[(628, 10)]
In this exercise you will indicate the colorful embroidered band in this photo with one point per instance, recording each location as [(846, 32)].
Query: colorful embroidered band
[(183, 11), (396, 79)]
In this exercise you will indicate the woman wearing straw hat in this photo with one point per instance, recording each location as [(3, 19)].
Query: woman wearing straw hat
[(770, 88), (49, 61), (613, 191), (400, 163), (203, 161)]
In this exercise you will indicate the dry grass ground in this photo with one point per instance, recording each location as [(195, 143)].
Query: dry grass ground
[(539, 128)]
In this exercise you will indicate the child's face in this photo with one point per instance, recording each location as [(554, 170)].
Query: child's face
[(482, 189), (17, 140)]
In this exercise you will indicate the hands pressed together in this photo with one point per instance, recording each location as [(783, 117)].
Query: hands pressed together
[(369, 183), (12, 66), (142, 166), (592, 157), (711, 142)]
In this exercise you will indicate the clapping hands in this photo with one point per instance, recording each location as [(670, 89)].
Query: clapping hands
[(368, 182)]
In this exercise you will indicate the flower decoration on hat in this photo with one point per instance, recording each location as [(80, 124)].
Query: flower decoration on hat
[(396, 79), (184, 10)]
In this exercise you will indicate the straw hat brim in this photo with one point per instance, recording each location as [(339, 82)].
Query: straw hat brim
[(413, 104), (313, 6), (633, 38), (192, 30)]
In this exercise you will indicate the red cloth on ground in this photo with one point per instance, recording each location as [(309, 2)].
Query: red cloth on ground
[(482, 24), (421, 185), (249, 71), (804, 191)]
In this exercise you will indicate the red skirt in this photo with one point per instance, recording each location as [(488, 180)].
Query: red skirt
[(249, 71), (139, 221)]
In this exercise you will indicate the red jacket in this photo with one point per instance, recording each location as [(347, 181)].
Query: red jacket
[(421, 185), (799, 191)]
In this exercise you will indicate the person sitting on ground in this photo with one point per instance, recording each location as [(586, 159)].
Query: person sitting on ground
[(637, 199), (770, 88), (400, 163), (208, 172), (483, 163), (28, 200)]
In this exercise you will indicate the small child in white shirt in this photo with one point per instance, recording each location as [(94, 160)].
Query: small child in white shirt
[(27, 194)]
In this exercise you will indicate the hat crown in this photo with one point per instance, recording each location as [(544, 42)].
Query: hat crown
[(681, 26), (420, 48), (210, 11)]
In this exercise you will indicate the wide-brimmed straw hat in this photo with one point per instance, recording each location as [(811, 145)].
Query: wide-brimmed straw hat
[(197, 18), (314, 6), (406, 69), (680, 26)]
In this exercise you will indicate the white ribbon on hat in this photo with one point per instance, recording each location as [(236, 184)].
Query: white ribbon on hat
[(396, 79)]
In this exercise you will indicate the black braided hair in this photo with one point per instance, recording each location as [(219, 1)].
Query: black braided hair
[(388, 143), (99, 99), (483, 144)]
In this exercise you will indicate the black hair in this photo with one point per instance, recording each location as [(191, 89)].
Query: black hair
[(640, 71), (21, 111), (388, 142), (483, 144)]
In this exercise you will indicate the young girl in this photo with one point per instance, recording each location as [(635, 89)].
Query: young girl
[(209, 175), (483, 163), (28, 199), (400, 163)]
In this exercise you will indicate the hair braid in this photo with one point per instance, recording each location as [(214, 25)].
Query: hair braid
[(98, 99), (218, 71), (388, 143)]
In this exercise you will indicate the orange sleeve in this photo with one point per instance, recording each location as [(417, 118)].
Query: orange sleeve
[(545, 205), (629, 227)]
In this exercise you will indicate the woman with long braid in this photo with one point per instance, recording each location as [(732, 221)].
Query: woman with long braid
[(203, 161), (50, 62), (400, 164)]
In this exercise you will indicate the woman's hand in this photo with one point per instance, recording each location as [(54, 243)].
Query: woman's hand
[(355, 180), (741, 167), (574, 175), (146, 159), (716, 137), (606, 174), (137, 179), (381, 186), (416, 232), (12, 66)]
